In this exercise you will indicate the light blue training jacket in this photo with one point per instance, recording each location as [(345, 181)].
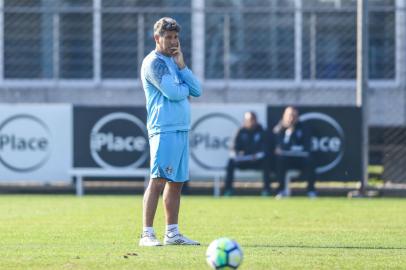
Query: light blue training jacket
[(167, 89)]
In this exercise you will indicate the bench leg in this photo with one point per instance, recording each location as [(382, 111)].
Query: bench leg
[(79, 186), (286, 191), (290, 174), (216, 186)]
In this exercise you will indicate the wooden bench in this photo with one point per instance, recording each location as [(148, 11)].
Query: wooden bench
[(216, 177), (244, 175), (80, 173)]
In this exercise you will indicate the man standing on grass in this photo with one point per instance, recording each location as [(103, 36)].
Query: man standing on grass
[(168, 84)]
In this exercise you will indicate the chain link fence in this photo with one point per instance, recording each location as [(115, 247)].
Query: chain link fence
[(299, 52)]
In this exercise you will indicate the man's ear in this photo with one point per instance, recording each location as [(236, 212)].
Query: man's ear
[(156, 38)]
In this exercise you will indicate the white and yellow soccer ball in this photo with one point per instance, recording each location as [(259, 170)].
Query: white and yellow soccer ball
[(224, 253)]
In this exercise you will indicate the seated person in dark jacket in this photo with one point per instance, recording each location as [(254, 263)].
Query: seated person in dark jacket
[(292, 150), (249, 152)]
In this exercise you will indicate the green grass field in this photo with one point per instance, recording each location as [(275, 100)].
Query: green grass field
[(101, 232)]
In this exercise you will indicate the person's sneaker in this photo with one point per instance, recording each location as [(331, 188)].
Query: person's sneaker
[(179, 239), (312, 194), (228, 193), (281, 194), (149, 240), (265, 193)]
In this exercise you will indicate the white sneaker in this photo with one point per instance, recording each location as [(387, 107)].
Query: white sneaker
[(149, 240), (179, 239), (312, 194), (281, 194)]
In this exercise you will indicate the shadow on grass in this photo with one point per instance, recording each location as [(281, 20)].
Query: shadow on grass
[(325, 247)]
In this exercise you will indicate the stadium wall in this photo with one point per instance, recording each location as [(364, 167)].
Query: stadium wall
[(387, 106)]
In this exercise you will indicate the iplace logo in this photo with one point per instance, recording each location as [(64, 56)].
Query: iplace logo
[(328, 143), (25, 143), (211, 139), (119, 140)]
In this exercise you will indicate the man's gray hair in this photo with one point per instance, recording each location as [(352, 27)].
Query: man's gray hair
[(166, 24)]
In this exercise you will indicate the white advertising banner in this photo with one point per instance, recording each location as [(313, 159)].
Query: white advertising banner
[(213, 129), (35, 142)]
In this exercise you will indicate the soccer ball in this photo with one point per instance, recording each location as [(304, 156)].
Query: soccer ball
[(224, 253)]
